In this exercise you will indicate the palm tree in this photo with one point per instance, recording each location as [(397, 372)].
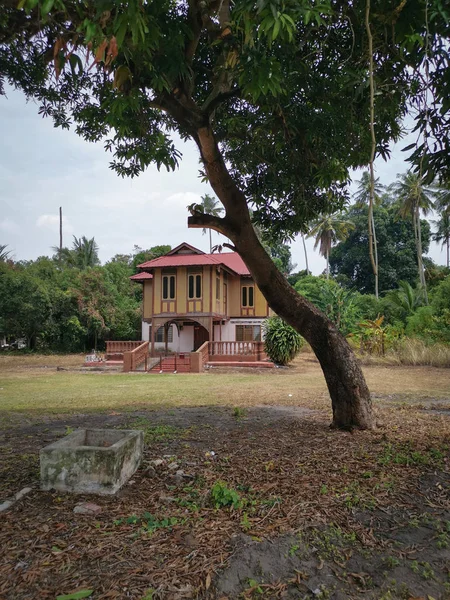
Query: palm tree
[(442, 200), (442, 233), (406, 297), (305, 251), (85, 252), (362, 194), (328, 229), (363, 197), (412, 199), (4, 253), (82, 255), (210, 207)]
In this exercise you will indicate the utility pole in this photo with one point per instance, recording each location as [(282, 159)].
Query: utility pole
[(60, 230)]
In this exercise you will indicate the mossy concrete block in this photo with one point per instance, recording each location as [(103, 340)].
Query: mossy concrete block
[(91, 461)]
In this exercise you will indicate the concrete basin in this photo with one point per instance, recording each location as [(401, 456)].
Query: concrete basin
[(91, 461)]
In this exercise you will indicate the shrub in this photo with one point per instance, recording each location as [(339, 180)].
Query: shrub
[(338, 303), (282, 342)]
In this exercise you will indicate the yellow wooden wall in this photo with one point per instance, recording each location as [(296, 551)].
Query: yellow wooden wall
[(210, 303), (148, 299), (182, 290)]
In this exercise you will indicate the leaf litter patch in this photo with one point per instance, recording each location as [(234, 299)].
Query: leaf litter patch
[(260, 503)]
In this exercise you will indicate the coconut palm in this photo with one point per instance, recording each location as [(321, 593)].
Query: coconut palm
[(363, 198), (442, 233), (210, 207), (442, 199), (413, 198), (305, 251), (83, 254), (362, 194), (328, 229), (4, 253)]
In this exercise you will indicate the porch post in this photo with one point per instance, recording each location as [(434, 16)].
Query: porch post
[(152, 337), (211, 329), (166, 338)]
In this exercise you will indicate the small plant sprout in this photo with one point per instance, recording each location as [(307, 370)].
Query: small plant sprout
[(238, 412), (223, 496)]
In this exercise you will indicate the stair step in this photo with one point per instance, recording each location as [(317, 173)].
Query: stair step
[(256, 364)]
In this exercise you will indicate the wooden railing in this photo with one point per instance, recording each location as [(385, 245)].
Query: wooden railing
[(204, 351), (119, 347), (237, 349), (135, 357)]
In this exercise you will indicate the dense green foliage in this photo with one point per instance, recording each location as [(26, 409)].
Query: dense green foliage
[(349, 260), (62, 305), (371, 322), (281, 342)]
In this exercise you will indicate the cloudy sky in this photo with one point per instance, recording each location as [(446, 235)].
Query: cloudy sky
[(43, 168)]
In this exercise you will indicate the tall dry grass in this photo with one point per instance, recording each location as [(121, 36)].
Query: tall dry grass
[(412, 352)]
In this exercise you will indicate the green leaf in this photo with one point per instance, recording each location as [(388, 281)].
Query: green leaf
[(76, 595), (121, 31), (47, 6), (276, 29)]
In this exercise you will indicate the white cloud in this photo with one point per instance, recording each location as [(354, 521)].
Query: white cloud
[(9, 226), (184, 199), (52, 222)]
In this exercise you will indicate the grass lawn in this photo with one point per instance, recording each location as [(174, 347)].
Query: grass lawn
[(284, 508), (33, 384)]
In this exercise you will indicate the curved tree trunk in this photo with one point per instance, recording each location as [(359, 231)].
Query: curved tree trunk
[(349, 393)]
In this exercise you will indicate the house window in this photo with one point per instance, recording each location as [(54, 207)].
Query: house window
[(159, 336), (217, 288), (194, 287), (168, 287), (248, 333), (248, 296)]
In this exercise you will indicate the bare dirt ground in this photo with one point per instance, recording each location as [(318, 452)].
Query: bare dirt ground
[(284, 508)]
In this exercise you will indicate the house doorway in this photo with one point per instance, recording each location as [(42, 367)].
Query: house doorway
[(201, 336)]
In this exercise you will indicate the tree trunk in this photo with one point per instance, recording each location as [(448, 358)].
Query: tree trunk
[(350, 396), (306, 253), (448, 253), (210, 241), (419, 255), (328, 264), (375, 250)]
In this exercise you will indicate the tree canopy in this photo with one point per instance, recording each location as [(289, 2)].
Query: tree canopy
[(284, 85), (396, 250)]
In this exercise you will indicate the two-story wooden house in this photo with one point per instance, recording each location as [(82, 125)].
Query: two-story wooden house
[(191, 297)]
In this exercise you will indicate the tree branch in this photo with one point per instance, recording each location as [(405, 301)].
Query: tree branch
[(216, 98), (203, 220), (230, 246)]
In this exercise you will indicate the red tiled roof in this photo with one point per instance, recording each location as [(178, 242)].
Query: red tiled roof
[(141, 276), (231, 260)]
